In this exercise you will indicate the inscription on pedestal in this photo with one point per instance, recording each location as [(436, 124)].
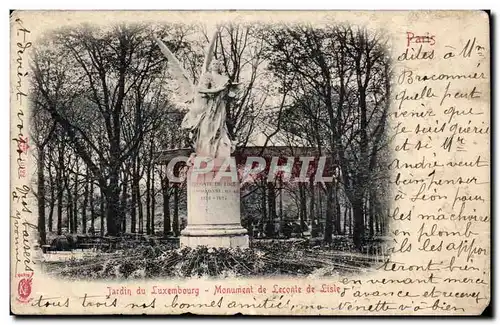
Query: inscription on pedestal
[(213, 213), (216, 191)]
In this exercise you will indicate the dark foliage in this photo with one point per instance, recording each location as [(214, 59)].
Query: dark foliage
[(265, 257)]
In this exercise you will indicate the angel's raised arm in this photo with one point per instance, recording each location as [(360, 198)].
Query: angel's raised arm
[(186, 87), (210, 52)]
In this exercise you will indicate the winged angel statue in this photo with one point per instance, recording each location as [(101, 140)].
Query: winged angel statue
[(206, 118)]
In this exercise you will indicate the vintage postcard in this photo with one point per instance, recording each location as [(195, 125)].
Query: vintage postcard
[(253, 162)]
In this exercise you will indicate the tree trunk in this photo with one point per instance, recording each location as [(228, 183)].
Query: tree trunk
[(153, 200), (75, 200), (358, 211), (371, 217), (345, 218), (175, 221), (311, 200), (112, 194), (320, 203), (148, 199), (123, 204), (69, 206), (350, 220), (60, 189), (358, 222), (92, 208), (138, 198), (103, 212), (41, 196), (113, 190), (330, 204), (383, 227), (338, 229), (263, 206), (281, 201), (315, 219), (52, 199), (271, 200), (139, 208), (85, 202), (166, 206), (303, 203), (133, 203)]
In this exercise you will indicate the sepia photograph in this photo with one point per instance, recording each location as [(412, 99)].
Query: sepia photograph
[(116, 108)]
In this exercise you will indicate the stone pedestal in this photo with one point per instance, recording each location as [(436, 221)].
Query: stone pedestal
[(213, 211)]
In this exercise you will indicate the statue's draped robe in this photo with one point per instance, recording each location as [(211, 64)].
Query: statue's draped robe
[(207, 118)]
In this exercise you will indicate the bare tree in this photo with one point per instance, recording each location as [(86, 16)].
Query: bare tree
[(341, 95), (42, 133), (87, 78)]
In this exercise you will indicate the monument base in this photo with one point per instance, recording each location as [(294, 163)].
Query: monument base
[(218, 242), (214, 236)]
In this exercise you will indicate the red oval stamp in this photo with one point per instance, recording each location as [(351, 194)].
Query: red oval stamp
[(24, 289)]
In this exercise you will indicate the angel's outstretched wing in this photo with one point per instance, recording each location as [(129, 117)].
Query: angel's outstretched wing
[(210, 52), (185, 89)]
